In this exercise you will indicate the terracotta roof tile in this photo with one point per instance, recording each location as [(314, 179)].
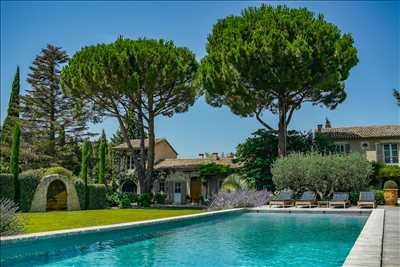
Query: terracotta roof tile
[(136, 143), (193, 163), (359, 132)]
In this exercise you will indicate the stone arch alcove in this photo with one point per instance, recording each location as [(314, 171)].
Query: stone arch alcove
[(56, 183), (129, 187), (56, 196)]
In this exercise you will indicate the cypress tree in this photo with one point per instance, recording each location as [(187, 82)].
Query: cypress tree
[(102, 162), (84, 169), (12, 111), (8, 124), (14, 162)]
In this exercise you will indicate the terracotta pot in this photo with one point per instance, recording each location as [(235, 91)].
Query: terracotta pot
[(390, 197)]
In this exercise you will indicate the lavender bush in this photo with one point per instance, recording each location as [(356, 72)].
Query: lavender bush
[(9, 223), (240, 199)]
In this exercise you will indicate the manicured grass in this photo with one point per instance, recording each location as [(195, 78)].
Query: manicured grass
[(58, 220)]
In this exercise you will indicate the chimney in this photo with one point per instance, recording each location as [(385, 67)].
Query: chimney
[(201, 155), (319, 128)]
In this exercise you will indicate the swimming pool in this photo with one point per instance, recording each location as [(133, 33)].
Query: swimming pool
[(235, 239)]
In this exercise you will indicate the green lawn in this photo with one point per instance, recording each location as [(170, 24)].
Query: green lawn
[(58, 220)]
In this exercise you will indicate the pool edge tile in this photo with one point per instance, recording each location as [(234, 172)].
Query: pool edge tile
[(4, 240), (369, 242)]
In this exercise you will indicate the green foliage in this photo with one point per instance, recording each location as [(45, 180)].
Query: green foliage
[(235, 182), (275, 59), (353, 197), (388, 171), (7, 188), (114, 77), (9, 223), (12, 111), (259, 151), (324, 174), (34, 172), (396, 94), (28, 183), (84, 170), (390, 184), (102, 162), (97, 196), (323, 144), (213, 169), (379, 196), (14, 162), (113, 198), (58, 170), (160, 198), (145, 199), (126, 199), (81, 191), (122, 200), (53, 124)]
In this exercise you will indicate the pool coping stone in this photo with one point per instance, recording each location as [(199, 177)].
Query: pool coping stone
[(93, 229)]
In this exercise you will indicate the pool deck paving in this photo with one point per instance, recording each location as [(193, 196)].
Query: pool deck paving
[(391, 238)]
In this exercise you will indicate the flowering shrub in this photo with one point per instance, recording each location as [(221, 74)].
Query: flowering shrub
[(240, 199), (9, 223)]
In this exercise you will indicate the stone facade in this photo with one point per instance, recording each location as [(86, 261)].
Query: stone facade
[(39, 202), (176, 177), (378, 143)]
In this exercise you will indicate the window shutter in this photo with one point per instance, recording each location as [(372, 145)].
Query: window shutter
[(347, 148)]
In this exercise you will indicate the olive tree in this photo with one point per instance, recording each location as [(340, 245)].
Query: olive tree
[(276, 59), (323, 174), (148, 78)]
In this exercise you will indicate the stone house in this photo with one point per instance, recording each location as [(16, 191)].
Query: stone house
[(379, 143), (178, 178)]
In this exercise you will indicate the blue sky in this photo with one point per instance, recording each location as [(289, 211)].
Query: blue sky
[(26, 27)]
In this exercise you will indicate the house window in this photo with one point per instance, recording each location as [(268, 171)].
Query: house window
[(178, 188), (129, 162), (162, 186), (343, 148), (391, 153)]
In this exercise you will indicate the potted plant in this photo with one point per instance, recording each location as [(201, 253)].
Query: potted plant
[(390, 192)]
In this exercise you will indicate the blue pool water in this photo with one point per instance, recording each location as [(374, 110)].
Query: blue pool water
[(244, 239)]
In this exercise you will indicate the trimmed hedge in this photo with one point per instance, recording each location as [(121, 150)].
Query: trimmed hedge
[(27, 186), (97, 196), (6, 186), (80, 190)]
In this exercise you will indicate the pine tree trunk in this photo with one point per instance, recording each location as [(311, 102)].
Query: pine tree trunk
[(282, 130), (150, 155)]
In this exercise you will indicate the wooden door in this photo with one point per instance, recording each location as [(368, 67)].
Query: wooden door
[(195, 189)]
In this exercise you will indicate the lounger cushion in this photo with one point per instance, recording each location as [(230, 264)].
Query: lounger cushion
[(308, 196), (367, 196), (340, 197), (285, 195)]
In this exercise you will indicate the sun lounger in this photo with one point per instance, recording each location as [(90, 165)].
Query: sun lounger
[(284, 199), (308, 199), (339, 199), (366, 199)]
